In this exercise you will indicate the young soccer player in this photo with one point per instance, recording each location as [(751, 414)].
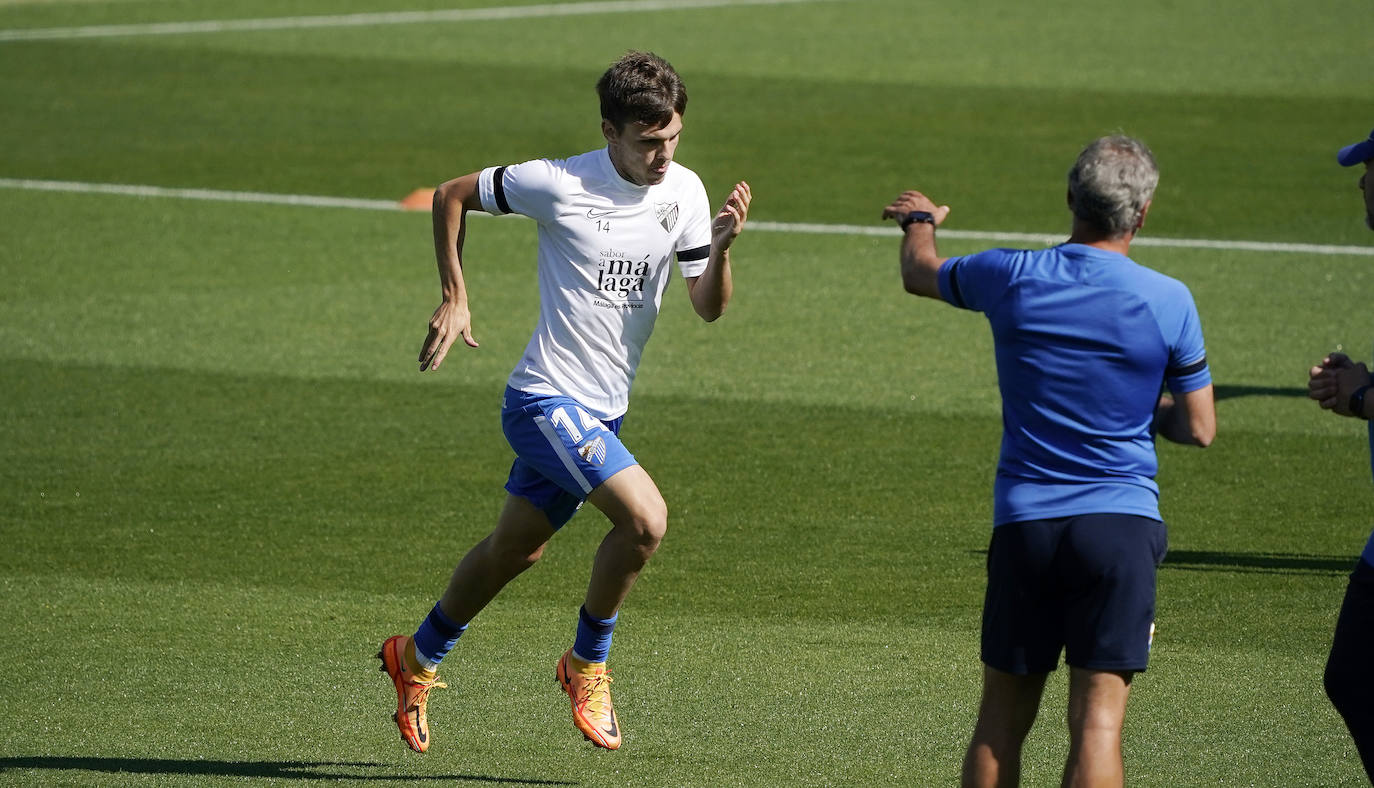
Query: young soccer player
[(610, 223)]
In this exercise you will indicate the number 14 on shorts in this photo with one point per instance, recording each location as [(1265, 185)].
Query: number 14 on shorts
[(593, 450)]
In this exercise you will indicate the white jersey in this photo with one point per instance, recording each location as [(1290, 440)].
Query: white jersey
[(605, 247)]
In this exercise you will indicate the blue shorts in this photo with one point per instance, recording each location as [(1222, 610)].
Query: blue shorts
[(1084, 585), (562, 452)]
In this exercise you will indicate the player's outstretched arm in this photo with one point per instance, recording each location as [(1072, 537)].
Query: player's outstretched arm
[(1189, 419), (452, 319), (710, 292), (920, 259)]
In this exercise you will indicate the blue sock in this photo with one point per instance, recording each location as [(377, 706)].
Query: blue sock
[(435, 637), (593, 636)]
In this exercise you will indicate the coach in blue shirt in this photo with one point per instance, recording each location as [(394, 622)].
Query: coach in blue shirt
[(1341, 386), (1085, 341)]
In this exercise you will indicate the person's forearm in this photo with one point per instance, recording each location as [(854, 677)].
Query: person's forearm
[(1353, 390), (1169, 426), (1175, 424), (921, 261), (450, 228), (712, 290)]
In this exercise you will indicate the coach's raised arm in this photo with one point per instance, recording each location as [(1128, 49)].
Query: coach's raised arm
[(918, 217)]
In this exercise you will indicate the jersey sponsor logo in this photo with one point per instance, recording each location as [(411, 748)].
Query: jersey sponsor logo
[(618, 277), (593, 213), (667, 215)]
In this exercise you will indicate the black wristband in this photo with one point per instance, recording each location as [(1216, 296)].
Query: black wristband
[(1356, 404), (917, 217)]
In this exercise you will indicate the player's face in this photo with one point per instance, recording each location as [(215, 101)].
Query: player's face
[(641, 154)]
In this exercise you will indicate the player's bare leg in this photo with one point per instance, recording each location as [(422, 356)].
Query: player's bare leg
[(513, 546), (639, 518), (1097, 712), (1005, 716)]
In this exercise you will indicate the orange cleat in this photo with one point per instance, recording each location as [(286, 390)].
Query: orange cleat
[(589, 688), (412, 694)]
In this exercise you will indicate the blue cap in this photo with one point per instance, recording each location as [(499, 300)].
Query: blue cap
[(1358, 153)]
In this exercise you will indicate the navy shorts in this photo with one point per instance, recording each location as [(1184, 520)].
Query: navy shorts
[(1084, 585), (1349, 677), (562, 452)]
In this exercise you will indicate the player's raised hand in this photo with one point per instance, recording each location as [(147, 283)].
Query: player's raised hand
[(729, 221), (450, 321), (909, 201)]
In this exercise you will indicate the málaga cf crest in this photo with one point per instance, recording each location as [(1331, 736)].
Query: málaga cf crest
[(593, 450), (667, 215)]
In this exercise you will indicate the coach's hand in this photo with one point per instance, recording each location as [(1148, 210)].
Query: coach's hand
[(909, 201), (450, 321)]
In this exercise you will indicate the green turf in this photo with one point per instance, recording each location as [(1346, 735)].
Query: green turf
[(216, 451), (847, 104)]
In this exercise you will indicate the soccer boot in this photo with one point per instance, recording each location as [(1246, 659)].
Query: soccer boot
[(589, 688), (412, 694)]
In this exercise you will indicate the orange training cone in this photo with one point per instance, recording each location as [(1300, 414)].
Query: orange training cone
[(418, 200)]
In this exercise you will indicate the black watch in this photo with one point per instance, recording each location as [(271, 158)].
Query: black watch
[(923, 217), (1357, 402)]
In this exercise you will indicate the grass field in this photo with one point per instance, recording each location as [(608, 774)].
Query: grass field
[(223, 482)]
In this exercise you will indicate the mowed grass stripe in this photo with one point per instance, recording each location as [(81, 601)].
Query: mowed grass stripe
[(293, 490), (493, 13), (320, 201), (216, 436)]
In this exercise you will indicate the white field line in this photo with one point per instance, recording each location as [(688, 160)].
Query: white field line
[(373, 19), (199, 194), (885, 230), (1050, 239)]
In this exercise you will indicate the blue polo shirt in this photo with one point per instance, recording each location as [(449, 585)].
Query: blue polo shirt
[(1085, 341)]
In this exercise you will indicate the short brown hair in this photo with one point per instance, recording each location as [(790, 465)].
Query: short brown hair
[(641, 87)]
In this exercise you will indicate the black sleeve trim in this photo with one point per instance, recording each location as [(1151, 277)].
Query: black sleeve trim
[(955, 297), (1191, 369), (699, 253), (500, 189)]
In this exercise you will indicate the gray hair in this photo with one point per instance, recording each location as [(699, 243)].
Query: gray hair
[(1110, 184)]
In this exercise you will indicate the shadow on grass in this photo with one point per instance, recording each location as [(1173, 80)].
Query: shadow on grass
[(280, 770), (1268, 563), (1221, 391)]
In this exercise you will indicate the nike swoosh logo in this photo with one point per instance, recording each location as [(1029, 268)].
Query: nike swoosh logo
[(593, 213)]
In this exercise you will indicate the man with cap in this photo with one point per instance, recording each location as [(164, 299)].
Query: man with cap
[(1340, 385)]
